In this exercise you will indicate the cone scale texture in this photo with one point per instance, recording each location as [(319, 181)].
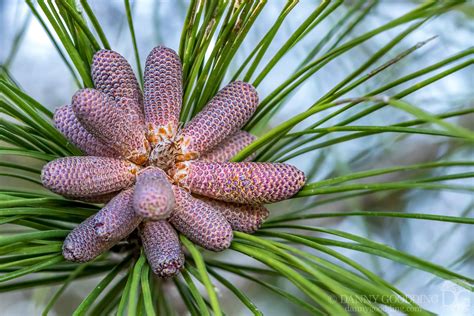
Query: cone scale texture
[(99, 114), (229, 147), (154, 197), (82, 244), (102, 198), (66, 122), (223, 116), (118, 218), (87, 176), (163, 94), (200, 222), (242, 182), (162, 248), (113, 75), (242, 217)]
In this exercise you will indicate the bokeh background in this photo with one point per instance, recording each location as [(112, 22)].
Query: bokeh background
[(35, 65)]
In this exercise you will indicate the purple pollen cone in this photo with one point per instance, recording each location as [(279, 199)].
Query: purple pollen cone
[(82, 244), (118, 218), (163, 93), (99, 114), (113, 75), (240, 182), (242, 217), (200, 222), (82, 177), (229, 147), (67, 123), (154, 197), (162, 248), (223, 116)]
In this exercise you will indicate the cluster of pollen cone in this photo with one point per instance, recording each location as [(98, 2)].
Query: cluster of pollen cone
[(153, 175)]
